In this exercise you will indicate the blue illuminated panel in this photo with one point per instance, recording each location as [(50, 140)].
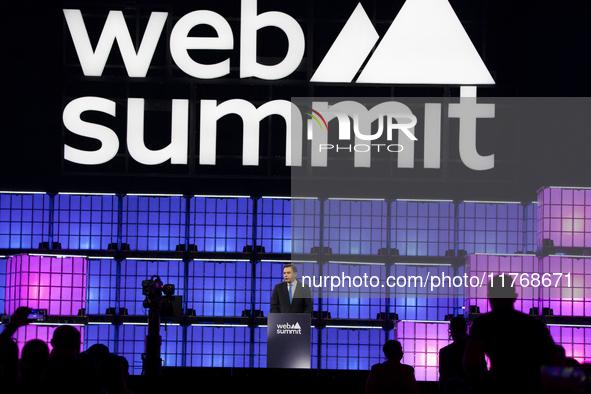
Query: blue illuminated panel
[(305, 225), (219, 288), (153, 223), (209, 346), (132, 346), (415, 302), (352, 349), (496, 228), (102, 285), (220, 224), (267, 275), (24, 220), (133, 272), (274, 220), (422, 228), (355, 227), (85, 222), (100, 333), (171, 350), (350, 303)]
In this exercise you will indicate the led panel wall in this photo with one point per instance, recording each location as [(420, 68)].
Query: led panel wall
[(345, 348), (133, 272), (225, 288), (57, 284), (496, 228), (274, 222), (421, 343), (24, 220), (220, 224), (351, 302), (102, 286), (575, 340), (355, 227), (85, 222), (279, 218), (218, 346), (133, 345), (305, 225), (422, 228), (566, 285), (220, 288), (564, 216), (154, 223), (100, 333), (482, 266), (415, 300)]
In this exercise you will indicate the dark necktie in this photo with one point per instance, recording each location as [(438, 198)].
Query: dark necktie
[(290, 294)]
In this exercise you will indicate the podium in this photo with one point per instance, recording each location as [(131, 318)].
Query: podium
[(288, 340)]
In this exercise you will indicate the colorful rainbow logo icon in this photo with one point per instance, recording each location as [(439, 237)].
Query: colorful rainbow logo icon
[(315, 118)]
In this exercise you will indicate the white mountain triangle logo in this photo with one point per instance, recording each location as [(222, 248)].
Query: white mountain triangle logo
[(425, 44), (296, 326)]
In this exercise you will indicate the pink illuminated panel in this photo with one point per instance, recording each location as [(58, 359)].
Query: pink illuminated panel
[(484, 265), (567, 290), (575, 340), (421, 343), (57, 284), (564, 216)]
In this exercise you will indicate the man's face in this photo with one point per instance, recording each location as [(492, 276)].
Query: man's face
[(288, 275)]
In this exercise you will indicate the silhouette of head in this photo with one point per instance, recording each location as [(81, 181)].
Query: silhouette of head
[(393, 350), (501, 293), (98, 351), (66, 341), (34, 359), (458, 328)]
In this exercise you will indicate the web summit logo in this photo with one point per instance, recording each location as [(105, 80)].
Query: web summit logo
[(289, 329)]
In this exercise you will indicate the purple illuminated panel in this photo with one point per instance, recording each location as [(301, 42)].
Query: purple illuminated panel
[(44, 333), (575, 340), (564, 216), (421, 343), (566, 287), (57, 284), (485, 265)]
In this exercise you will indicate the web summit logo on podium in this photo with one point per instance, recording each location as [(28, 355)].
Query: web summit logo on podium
[(289, 328)]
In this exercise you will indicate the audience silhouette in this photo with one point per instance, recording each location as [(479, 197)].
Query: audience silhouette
[(33, 367), (392, 377), (452, 378), (64, 370), (517, 345)]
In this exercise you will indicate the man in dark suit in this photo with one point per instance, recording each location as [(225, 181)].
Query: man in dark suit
[(301, 296)]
